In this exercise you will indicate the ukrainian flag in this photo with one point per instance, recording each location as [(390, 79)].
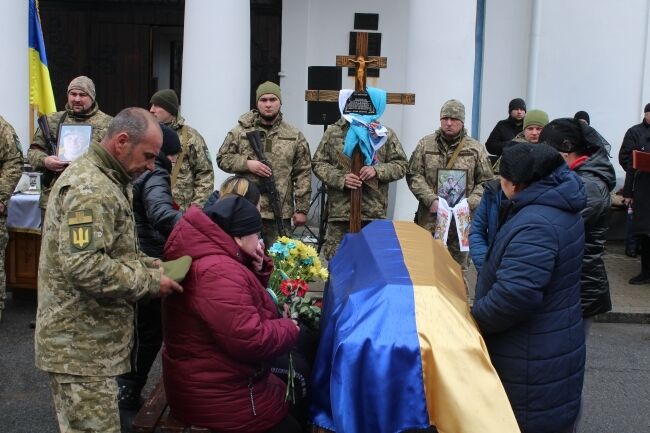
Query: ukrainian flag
[(399, 349), (40, 86)]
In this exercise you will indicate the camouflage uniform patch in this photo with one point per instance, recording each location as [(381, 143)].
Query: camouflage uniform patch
[(81, 229), (85, 404)]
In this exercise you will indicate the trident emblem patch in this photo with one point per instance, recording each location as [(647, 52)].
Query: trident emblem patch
[(80, 227)]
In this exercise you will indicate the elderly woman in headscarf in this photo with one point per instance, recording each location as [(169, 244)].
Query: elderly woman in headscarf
[(223, 331), (528, 291)]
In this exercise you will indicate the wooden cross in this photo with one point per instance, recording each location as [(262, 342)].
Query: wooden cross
[(361, 62)]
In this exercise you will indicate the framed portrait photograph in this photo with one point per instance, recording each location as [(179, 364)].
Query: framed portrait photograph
[(74, 140), (451, 185)]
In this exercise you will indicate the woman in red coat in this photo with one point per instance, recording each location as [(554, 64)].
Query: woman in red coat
[(222, 332)]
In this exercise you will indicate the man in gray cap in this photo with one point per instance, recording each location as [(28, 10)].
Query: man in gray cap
[(192, 176), (81, 108), (450, 147)]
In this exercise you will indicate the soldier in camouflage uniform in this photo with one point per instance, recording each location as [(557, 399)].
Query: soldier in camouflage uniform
[(192, 176), (81, 108), (91, 273), (433, 152), (390, 166), (11, 167), (287, 151)]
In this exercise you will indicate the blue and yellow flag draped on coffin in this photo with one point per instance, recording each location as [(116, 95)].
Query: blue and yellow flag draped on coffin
[(40, 86), (399, 349)]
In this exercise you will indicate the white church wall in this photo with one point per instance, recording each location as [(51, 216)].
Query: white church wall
[(216, 69), (14, 75), (505, 60), (592, 56), (436, 63)]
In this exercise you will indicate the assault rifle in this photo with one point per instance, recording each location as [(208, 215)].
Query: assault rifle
[(268, 183), (48, 175)]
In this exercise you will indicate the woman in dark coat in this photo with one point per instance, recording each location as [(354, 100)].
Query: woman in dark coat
[(586, 153), (528, 291), (223, 331), (155, 215)]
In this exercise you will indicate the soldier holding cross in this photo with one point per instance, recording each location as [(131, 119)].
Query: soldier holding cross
[(332, 166)]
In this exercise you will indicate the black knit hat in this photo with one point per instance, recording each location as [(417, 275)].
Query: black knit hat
[(566, 135), (582, 115), (517, 103), (171, 145), (525, 163), (235, 215), (167, 99), (647, 108)]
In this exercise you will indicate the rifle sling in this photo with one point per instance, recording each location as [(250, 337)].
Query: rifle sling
[(179, 161)]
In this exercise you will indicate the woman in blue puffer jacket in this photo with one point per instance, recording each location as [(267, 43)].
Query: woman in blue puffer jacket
[(528, 291)]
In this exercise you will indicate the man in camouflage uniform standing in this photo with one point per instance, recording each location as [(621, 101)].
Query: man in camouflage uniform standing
[(11, 163), (389, 165), (81, 108), (287, 151), (192, 176), (91, 273), (433, 152)]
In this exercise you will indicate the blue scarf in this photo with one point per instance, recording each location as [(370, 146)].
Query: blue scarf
[(358, 132)]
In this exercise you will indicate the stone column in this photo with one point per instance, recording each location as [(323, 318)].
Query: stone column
[(14, 75), (216, 69)]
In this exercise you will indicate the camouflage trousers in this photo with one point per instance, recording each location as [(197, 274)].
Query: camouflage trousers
[(270, 231), (85, 404), (4, 239), (335, 232)]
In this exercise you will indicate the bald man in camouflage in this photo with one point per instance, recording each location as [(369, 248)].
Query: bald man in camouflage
[(91, 273), (434, 152), (11, 167)]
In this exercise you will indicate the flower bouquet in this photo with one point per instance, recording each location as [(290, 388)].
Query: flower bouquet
[(295, 265)]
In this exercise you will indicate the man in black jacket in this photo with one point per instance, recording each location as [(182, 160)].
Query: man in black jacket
[(505, 130), (155, 215), (636, 190)]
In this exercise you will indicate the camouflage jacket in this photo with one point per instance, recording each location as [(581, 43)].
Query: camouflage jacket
[(11, 161), (327, 166), (195, 180), (432, 153), (287, 151), (39, 149), (91, 271)]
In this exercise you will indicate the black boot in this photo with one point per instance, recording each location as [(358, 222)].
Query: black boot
[(642, 278), (128, 394)]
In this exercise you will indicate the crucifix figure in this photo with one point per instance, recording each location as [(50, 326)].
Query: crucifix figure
[(361, 62)]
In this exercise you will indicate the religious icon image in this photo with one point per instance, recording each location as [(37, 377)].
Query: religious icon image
[(74, 140), (452, 185), (463, 225)]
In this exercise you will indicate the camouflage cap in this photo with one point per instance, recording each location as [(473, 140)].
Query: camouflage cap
[(454, 109), (84, 84)]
